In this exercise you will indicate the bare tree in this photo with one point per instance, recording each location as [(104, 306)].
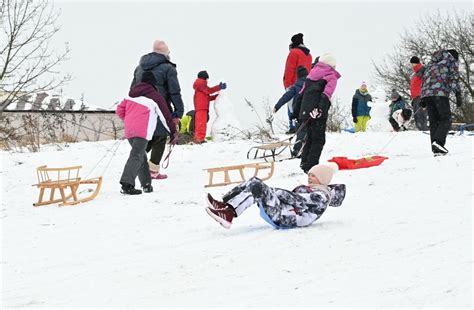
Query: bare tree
[(433, 32), (28, 64)]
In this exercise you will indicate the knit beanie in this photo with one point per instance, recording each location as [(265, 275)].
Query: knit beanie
[(414, 60), (324, 173), (363, 88), (454, 53), (297, 39), (301, 72), (328, 59), (203, 75), (160, 47), (395, 95)]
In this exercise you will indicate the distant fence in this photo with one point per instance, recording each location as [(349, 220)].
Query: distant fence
[(33, 128)]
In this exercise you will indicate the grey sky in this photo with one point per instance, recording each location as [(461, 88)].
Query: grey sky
[(245, 43)]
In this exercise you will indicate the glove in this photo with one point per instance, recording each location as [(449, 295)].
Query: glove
[(354, 119), (316, 113), (459, 99), (402, 128), (222, 85), (423, 103), (174, 138)]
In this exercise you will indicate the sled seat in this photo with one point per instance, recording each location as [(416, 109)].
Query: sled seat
[(63, 180), (256, 167)]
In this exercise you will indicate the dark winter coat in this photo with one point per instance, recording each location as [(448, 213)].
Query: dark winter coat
[(441, 75), (203, 94), (298, 56), (399, 104), (148, 91), (313, 97), (292, 93), (359, 104), (167, 80), (416, 81)]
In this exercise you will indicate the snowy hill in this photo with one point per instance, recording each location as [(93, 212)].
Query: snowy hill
[(402, 238)]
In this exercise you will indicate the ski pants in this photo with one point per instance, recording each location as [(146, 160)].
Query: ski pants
[(361, 124), (439, 113), (277, 204), (157, 146), (201, 117), (137, 163), (315, 140), (421, 117)]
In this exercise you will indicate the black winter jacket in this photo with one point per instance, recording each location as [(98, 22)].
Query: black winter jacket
[(312, 98)]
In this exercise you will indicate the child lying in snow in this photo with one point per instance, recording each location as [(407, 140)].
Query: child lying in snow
[(400, 119), (280, 207)]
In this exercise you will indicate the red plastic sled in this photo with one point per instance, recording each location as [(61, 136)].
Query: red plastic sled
[(346, 163)]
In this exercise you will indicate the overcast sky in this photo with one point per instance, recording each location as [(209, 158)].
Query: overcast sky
[(245, 43)]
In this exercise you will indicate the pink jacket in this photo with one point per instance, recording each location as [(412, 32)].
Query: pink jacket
[(326, 72), (140, 115)]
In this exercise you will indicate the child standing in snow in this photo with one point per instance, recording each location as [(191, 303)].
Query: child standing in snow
[(203, 95), (400, 119), (319, 86), (291, 97), (360, 108), (281, 208), (140, 113)]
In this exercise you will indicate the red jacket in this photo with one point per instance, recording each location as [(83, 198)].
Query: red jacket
[(415, 84), (296, 57), (203, 94)]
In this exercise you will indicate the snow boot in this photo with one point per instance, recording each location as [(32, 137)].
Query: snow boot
[(222, 216), (157, 176), (215, 204), (147, 188), (438, 149), (128, 189)]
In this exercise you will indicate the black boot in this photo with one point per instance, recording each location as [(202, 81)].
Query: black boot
[(128, 189), (147, 188)]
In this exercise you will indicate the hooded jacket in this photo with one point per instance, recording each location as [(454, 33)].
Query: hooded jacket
[(203, 94), (359, 104), (166, 77), (441, 75)]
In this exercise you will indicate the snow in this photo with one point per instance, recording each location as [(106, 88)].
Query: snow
[(402, 238)]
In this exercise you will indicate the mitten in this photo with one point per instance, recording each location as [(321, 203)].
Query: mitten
[(222, 85)]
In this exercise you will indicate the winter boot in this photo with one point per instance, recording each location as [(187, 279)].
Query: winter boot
[(438, 149), (155, 172), (128, 189), (223, 216), (215, 204), (147, 188), (158, 176)]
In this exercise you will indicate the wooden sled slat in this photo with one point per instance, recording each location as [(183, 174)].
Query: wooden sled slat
[(66, 181), (240, 168)]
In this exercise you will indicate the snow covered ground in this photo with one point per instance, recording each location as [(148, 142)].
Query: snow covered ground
[(402, 238)]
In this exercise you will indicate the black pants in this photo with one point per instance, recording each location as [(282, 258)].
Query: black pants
[(315, 140), (137, 164), (300, 138), (157, 146), (439, 114), (421, 118)]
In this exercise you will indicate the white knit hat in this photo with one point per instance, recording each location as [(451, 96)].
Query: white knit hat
[(325, 172), (328, 59)]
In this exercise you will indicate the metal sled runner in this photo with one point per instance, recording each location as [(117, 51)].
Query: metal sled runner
[(269, 150), (63, 179), (240, 168)]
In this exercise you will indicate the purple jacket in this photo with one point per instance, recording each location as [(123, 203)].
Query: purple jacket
[(326, 72)]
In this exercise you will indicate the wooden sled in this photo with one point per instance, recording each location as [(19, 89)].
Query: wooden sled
[(256, 166), (270, 150), (62, 179)]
